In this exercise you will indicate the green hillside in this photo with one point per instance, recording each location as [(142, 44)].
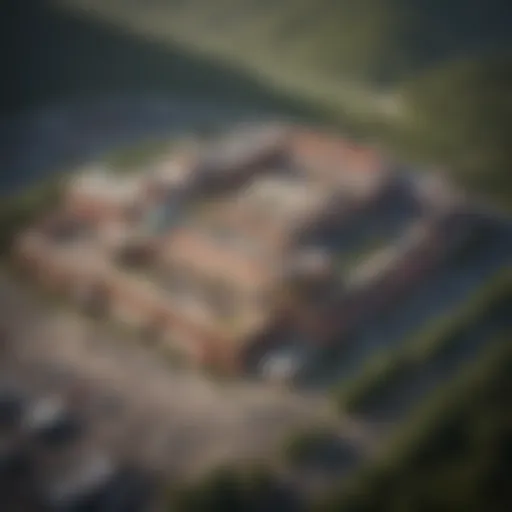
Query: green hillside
[(322, 47), (371, 39), (453, 455), (461, 117), (430, 78), (412, 73), (52, 55)]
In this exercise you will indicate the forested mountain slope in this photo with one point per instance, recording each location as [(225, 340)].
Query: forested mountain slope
[(371, 40), (52, 56), (430, 78)]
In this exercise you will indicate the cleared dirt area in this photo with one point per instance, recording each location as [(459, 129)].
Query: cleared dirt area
[(133, 403)]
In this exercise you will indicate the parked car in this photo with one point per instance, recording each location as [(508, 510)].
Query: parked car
[(284, 364), (12, 404), (73, 490), (14, 462), (102, 487), (49, 422), (127, 491)]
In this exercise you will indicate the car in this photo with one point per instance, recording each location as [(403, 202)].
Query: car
[(12, 404), (74, 489), (50, 423), (283, 365), (15, 462), (102, 486), (128, 490)]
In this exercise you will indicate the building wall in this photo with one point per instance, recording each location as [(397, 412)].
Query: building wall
[(127, 301), (203, 256), (92, 208), (135, 305), (408, 269)]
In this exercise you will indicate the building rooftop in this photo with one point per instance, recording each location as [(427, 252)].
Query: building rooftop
[(380, 261), (101, 184), (241, 146), (218, 253), (282, 195), (213, 255), (174, 171), (343, 164)]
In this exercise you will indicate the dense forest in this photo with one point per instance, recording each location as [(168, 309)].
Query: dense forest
[(461, 117), (454, 455), (379, 41)]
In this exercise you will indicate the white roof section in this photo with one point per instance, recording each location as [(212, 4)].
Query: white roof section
[(379, 262), (44, 412), (283, 196), (244, 142), (103, 184), (173, 171)]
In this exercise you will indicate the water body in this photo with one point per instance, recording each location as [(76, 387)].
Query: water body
[(35, 144), (80, 86)]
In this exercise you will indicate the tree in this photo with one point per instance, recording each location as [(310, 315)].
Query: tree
[(460, 116)]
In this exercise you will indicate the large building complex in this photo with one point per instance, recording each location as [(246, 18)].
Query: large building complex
[(216, 251)]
